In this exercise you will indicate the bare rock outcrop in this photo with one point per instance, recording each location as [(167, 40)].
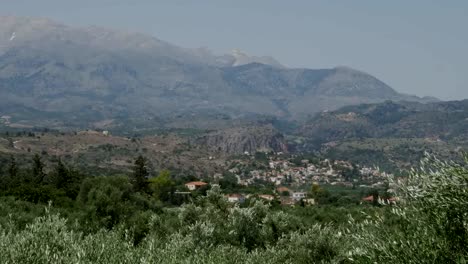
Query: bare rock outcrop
[(246, 139)]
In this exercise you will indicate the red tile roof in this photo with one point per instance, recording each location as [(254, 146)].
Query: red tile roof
[(282, 189)]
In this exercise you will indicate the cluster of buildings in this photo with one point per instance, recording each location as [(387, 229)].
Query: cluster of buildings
[(284, 172), (282, 194), (373, 177), (297, 176)]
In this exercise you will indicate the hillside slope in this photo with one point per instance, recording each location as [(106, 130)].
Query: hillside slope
[(389, 133)]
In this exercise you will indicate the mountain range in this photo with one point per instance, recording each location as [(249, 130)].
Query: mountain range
[(80, 76)]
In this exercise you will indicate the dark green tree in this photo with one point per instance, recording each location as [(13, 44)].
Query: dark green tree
[(13, 168), (106, 199), (140, 174), (229, 182), (61, 176), (375, 197), (162, 186), (350, 174), (66, 179), (38, 169), (321, 195)]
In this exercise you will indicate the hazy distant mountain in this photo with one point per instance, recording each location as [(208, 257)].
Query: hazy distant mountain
[(46, 67)]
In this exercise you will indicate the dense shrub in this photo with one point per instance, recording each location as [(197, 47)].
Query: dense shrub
[(211, 231), (429, 224)]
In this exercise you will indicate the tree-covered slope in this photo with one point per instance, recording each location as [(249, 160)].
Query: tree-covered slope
[(390, 134)]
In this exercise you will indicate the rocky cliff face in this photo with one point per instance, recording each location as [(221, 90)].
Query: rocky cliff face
[(246, 139)]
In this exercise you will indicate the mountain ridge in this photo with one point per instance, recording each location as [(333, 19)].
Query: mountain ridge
[(54, 68)]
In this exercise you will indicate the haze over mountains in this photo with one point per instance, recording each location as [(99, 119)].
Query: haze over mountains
[(72, 79), (49, 68)]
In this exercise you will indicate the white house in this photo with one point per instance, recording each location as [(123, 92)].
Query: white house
[(298, 195)]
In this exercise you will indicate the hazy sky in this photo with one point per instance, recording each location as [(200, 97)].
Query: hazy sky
[(415, 46)]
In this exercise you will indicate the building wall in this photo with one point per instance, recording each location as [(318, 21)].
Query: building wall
[(191, 187)]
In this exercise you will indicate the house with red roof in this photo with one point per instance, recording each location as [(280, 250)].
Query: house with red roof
[(192, 186)]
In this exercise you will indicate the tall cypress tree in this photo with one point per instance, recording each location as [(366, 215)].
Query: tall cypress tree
[(140, 174), (61, 175), (13, 168), (38, 169)]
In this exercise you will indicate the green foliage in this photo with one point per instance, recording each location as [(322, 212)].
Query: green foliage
[(15, 214), (40, 194), (162, 186), (61, 175), (334, 195), (316, 191), (205, 232), (351, 174), (38, 169), (65, 179), (431, 219), (109, 201), (261, 157), (140, 174), (13, 168), (112, 223), (229, 182), (34, 186)]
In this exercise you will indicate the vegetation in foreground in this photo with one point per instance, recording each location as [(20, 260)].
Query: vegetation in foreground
[(117, 220)]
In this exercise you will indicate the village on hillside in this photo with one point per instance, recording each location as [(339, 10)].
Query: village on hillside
[(291, 179)]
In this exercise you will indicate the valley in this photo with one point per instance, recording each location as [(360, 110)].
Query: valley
[(119, 147)]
